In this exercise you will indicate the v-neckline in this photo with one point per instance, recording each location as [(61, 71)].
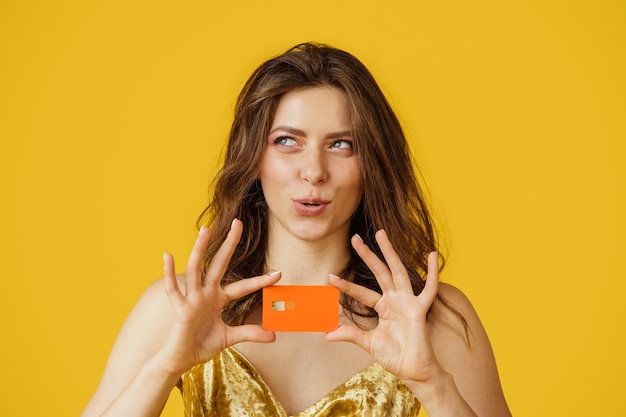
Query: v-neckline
[(303, 412)]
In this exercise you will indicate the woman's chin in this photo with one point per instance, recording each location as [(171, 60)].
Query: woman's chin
[(308, 229), (313, 231), (310, 234)]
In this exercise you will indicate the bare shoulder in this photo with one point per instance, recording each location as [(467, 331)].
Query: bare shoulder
[(147, 326), (145, 330), (463, 349), (461, 313), (152, 313)]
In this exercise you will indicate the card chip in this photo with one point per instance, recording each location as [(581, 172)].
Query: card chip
[(278, 305)]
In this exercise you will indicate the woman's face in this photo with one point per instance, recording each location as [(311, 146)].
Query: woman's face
[(309, 172)]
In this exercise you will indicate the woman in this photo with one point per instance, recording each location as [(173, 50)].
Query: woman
[(317, 188)]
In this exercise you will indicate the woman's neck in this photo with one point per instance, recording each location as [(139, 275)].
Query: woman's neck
[(307, 262)]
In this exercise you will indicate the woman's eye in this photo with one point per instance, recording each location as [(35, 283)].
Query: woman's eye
[(342, 144), (285, 141)]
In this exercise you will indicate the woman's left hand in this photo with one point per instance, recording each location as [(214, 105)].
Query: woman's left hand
[(400, 342)]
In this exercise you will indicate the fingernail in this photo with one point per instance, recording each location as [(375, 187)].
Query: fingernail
[(233, 222), (360, 238), (273, 273), (334, 276)]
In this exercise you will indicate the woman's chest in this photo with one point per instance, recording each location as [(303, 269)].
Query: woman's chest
[(302, 368)]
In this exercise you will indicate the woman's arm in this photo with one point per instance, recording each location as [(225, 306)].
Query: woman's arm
[(132, 367), (470, 364), (175, 325), (431, 356), (466, 381)]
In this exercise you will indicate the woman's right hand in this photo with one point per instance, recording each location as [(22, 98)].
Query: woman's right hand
[(155, 347), (199, 332)]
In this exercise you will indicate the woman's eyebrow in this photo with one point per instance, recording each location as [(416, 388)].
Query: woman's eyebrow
[(289, 129), (340, 134), (300, 132)]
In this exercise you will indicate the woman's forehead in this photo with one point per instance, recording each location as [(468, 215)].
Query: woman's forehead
[(323, 107)]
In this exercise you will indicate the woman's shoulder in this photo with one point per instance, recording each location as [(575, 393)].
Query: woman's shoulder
[(153, 315), (456, 299), (145, 330), (153, 302), (463, 349), (454, 318), (155, 296), (454, 294), (147, 326)]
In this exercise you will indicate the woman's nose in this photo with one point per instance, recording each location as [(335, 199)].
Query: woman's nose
[(313, 169)]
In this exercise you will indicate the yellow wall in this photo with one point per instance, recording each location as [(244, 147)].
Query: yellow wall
[(113, 115)]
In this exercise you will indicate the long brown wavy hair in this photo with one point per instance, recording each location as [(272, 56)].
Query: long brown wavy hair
[(392, 197)]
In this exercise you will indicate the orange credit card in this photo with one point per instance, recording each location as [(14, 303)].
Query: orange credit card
[(300, 308)]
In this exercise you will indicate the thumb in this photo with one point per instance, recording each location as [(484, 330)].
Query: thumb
[(348, 334), (249, 333)]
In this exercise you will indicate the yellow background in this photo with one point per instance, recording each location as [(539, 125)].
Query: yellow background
[(113, 116)]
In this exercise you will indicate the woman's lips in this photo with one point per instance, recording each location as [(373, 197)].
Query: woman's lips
[(310, 207)]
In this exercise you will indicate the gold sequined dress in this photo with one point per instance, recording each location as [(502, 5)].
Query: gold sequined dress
[(229, 386)]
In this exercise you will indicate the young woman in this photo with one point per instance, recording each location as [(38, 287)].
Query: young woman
[(317, 188)]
